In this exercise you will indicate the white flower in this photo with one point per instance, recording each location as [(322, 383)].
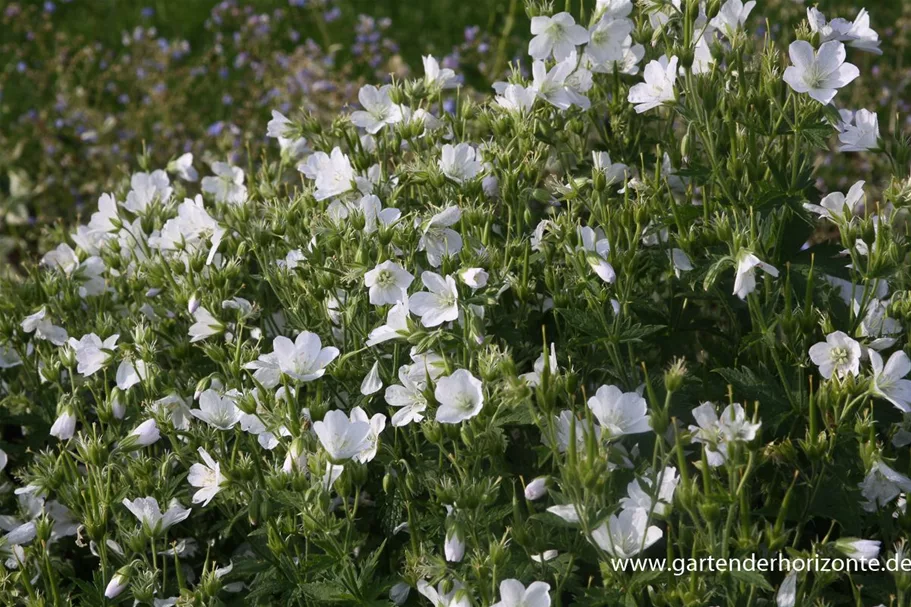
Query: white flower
[(619, 413), (183, 167), (563, 426), (227, 185), (372, 382), (839, 354), (457, 597), (147, 510), (65, 425), (341, 437), (303, 359), (436, 77), (205, 326), (145, 434), (857, 34), (536, 489), (558, 35), (4, 460), (732, 16), (533, 379), (889, 382), (882, 485), (388, 283), (454, 546), (838, 207), (190, 230), (146, 188), (626, 535), (516, 98), (681, 261), (514, 594), (819, 74), (44, 329), (476, 278), (859, 132), (609, 40), (437, 305), (658, 87), (614, 172), (559, 86), (716, 433), (280, 127), (9, 358), (568, 512), (409, 396), (377, 424), (745, 277), (439, 240), (90, 352), (218, 411), (396, 326), (379, 110), (858, 549), (461, 397), (597, 248), (129, 374), (644, 499), (333, 173), (207, 477), (459, 162), (787, 592), (547, 555)]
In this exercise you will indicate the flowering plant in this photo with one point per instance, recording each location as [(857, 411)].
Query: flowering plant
[(483, 357)]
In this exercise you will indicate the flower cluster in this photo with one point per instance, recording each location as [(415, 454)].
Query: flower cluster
[(486, 356)]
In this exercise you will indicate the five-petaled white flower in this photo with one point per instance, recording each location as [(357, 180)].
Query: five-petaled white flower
[(459, 162), (439, 240), (332, 173), (619, 413), (820, 74), (388, 283), (408, 397), (219, 411), (149, 513), (207, 477), (558, 36), (439, 304), (91, 353), (658, 87), (456, 597), (183, 167), (461, 397), (379, 109), (341, 437), (627, 534), (227, 185), (839, 355), (303, 359)]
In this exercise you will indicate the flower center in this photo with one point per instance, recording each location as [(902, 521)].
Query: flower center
[(840, 355)]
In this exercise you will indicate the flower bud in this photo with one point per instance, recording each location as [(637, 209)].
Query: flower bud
[(536, 489), (118, 583)]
